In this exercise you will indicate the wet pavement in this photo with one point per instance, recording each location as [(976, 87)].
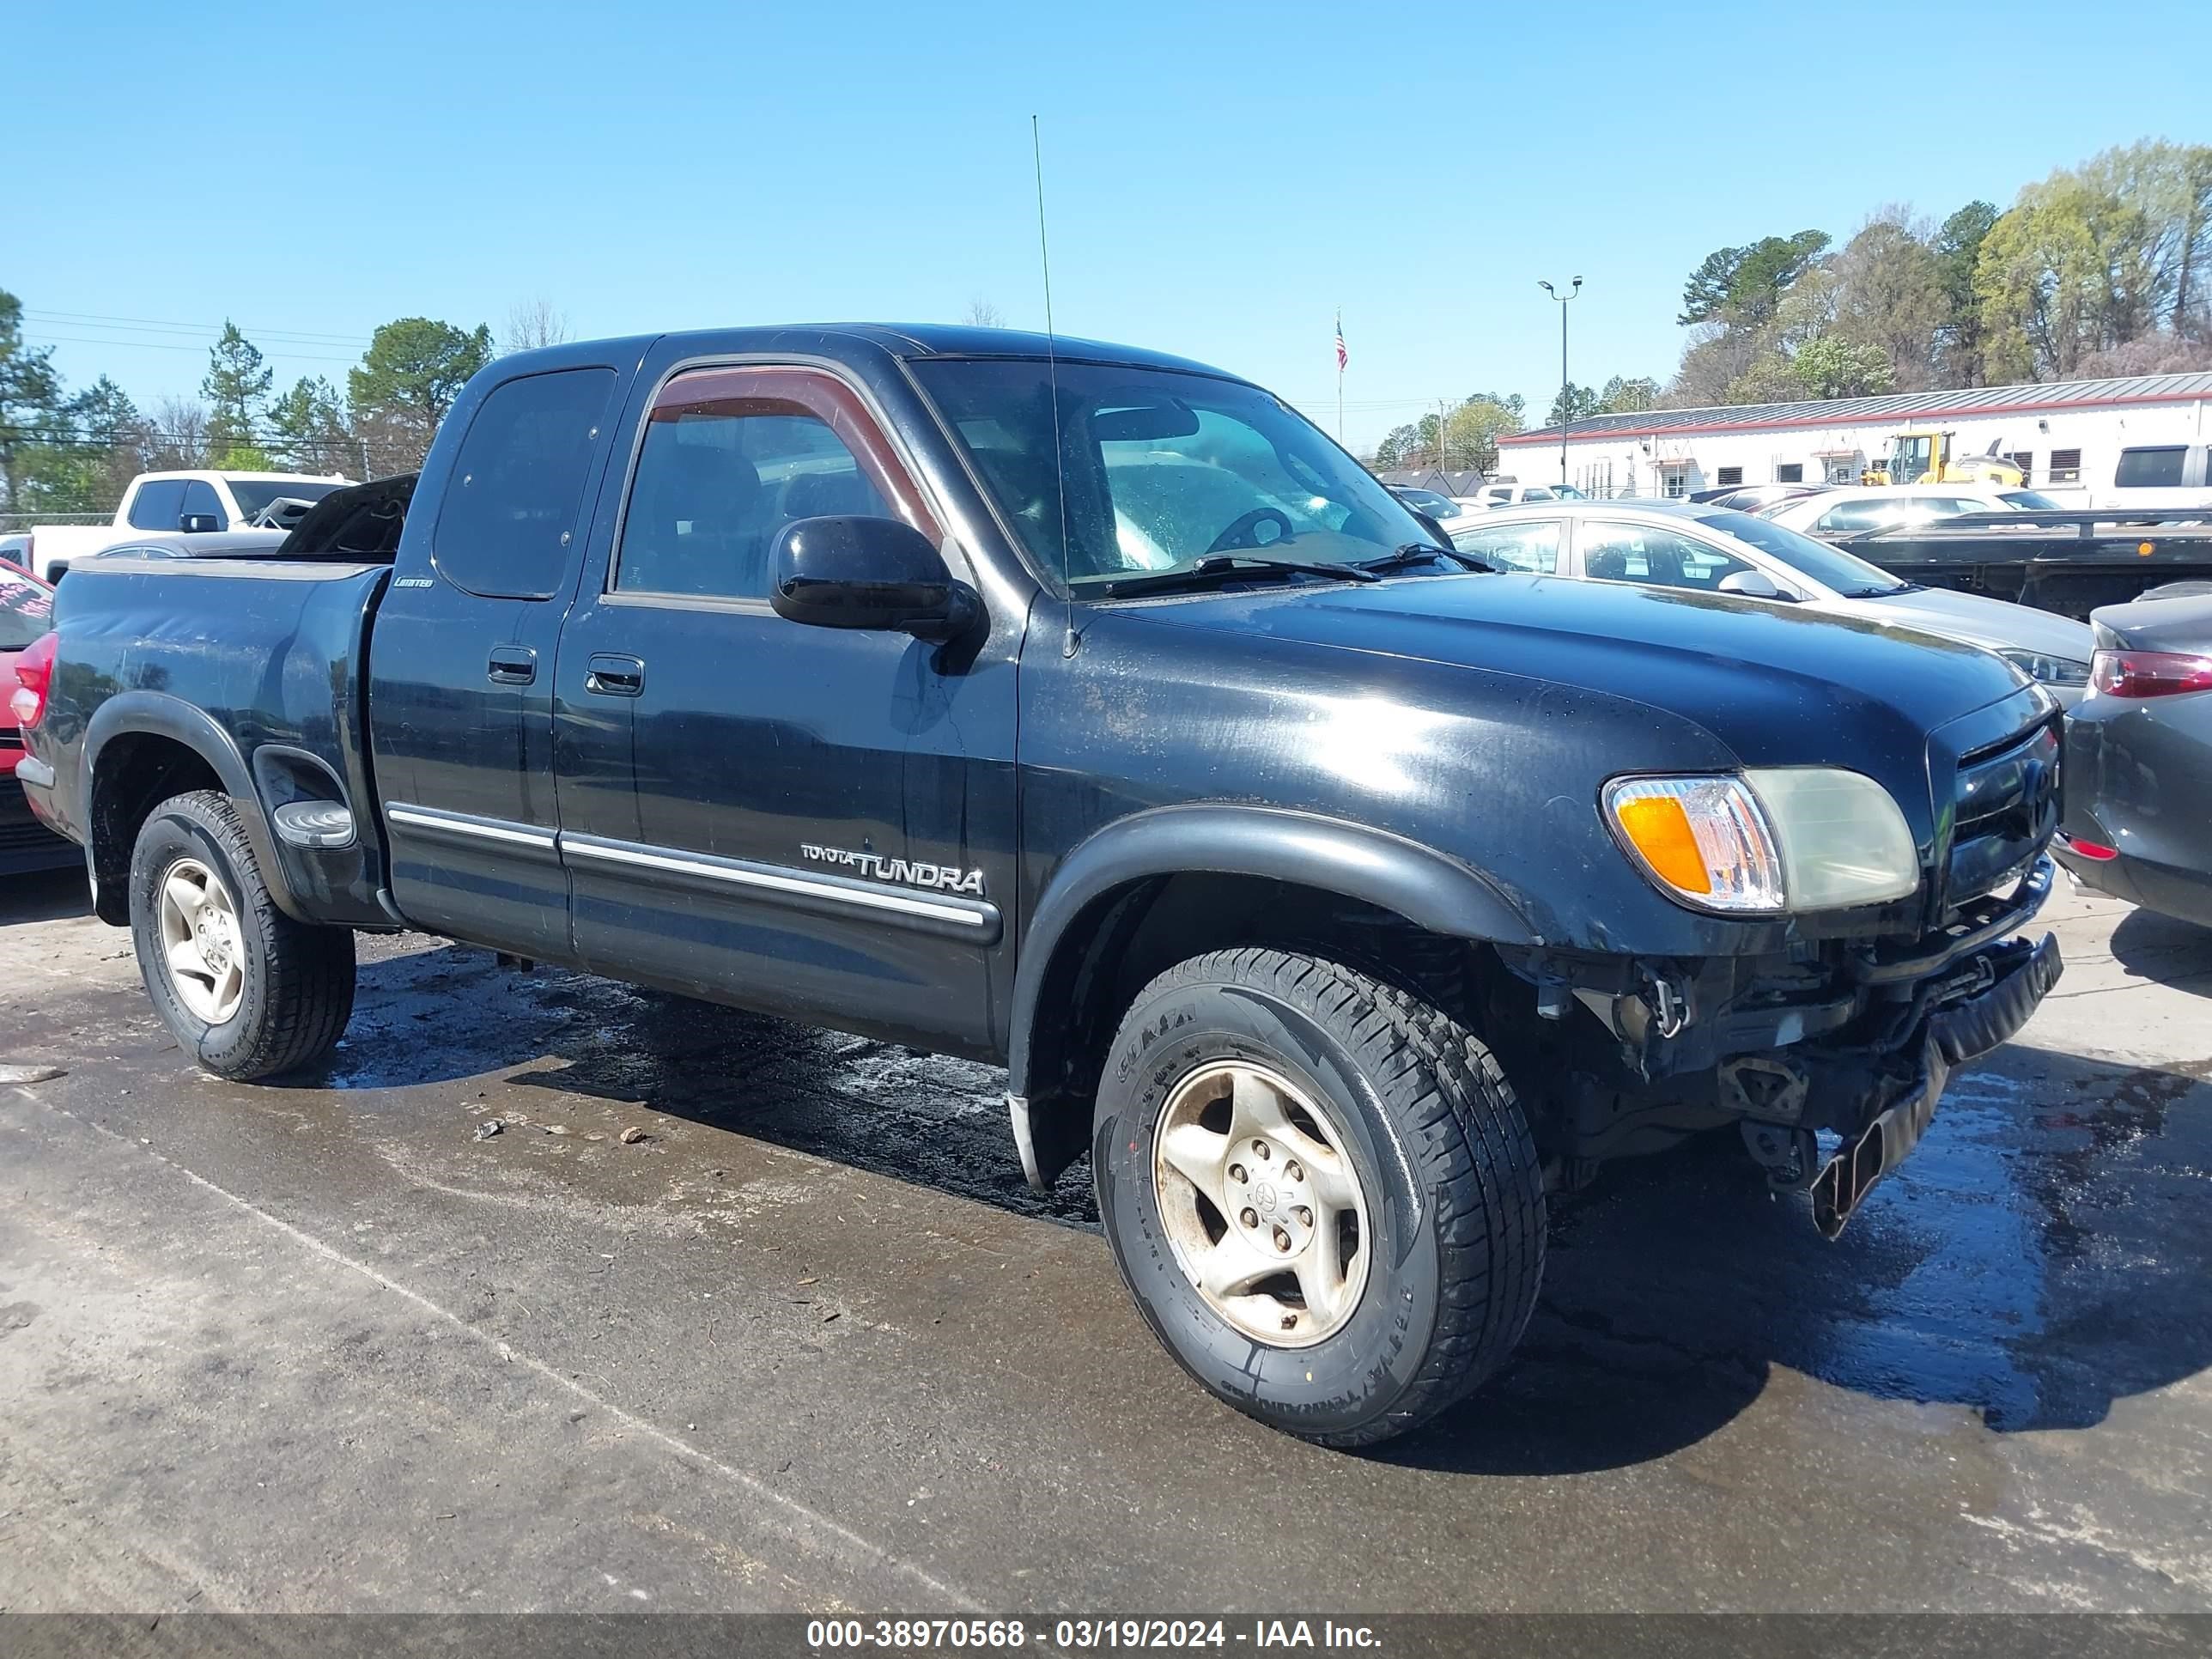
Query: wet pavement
[(810, 1342)]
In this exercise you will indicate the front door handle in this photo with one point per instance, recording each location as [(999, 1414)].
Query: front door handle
[(615, 676), (513, 665)]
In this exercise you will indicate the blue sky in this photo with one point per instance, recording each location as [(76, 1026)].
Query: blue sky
[(1220, 178)]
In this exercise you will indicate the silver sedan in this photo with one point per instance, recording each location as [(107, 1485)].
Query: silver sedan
[(1710, 550)]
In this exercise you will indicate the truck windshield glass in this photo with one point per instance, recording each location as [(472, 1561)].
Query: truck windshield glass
[(1160, 469), (1830, 567), (254, 494)]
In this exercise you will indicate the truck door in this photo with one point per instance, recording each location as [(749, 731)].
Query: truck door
[(806, 821), (461, 660)]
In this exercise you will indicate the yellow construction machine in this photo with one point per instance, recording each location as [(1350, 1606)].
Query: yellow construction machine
[(1926, 457)]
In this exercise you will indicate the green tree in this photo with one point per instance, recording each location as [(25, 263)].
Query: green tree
[(1831, 366), (307, 426), (1958, 249), (1743, 285), (2042, 284), (1511, 401), (236, 386), (30, 393), (1400, 447), (1889, 293), (1572, 403), (1626, 396), (1471, 432), (408, 379)]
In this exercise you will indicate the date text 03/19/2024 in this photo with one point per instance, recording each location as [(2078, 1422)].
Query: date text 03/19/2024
[(1261, 1635)]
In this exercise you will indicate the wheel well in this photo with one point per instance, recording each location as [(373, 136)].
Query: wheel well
[(138, 771), (1132, 934)]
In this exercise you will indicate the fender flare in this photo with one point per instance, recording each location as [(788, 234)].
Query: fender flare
[(1428, 888), (157, 714)]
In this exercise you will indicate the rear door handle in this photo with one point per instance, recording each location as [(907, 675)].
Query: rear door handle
[(615, 676), (513, 665)]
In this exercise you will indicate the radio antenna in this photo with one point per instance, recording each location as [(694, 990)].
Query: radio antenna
[(1052, 365)]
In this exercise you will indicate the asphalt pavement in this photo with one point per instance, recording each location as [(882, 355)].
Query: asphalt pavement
[(805, 1342)]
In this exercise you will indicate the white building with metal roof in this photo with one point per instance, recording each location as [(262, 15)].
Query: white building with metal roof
[(2065, 435)]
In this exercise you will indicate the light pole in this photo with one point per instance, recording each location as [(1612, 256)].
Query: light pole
[(1566, 386)]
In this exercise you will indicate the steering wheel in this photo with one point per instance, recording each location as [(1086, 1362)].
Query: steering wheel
[(1239, 534)]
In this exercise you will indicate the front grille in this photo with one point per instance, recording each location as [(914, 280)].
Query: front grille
[(2005, 808)]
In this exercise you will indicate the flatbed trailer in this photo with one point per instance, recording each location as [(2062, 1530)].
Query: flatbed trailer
[(2065, 561)]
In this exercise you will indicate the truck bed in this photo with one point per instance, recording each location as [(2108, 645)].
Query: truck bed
[(2065, 562), (263, 658)]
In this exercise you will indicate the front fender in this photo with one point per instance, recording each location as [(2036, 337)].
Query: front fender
[(1429, 889)]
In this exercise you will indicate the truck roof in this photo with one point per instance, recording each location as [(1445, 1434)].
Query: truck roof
[(896, 340)]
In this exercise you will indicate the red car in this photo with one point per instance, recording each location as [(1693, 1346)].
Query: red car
[(26, 611)]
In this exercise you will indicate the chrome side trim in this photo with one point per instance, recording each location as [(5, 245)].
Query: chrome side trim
[(461, 826), (967, 915)]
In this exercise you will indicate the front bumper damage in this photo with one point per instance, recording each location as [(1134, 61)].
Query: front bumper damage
[(2019, 976), (1854, 1040)]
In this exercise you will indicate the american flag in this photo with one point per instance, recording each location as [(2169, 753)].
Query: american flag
[(1341, 359)]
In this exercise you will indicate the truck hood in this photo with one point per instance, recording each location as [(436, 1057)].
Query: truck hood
[(1776, 685)]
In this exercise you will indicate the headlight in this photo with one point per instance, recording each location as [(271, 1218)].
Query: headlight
[(2051, 670), (1768, 840)]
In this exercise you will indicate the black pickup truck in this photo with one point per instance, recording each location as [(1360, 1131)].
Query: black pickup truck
[(1088, 712)]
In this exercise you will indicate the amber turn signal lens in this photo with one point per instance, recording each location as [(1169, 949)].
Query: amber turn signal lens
[(1660, 829)]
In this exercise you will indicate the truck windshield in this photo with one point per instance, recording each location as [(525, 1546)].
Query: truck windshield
[(254, 494), (1840, 572), (1159, 469)]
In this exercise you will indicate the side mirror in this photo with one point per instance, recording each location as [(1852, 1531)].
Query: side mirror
[(199, 524), (869, 572), (1752, 585)]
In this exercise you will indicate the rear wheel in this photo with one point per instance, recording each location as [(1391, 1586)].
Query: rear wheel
[(1319, 1191), (249, 991)]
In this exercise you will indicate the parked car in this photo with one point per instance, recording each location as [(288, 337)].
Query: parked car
[(164, 503), (27, 610), (1439, 508), (1512, 495), (1852, 508), (1342, 902), (1713, 549), (2138, 794), (1749, 498)]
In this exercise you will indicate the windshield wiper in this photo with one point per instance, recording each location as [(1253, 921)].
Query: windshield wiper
[(1223, 567), (1425, 553)]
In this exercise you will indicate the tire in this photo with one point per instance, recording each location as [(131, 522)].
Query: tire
[(1449, 1229), (293, 991)]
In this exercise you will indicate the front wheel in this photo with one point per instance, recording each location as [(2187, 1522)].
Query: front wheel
[(249, 991), (1321, 1192)]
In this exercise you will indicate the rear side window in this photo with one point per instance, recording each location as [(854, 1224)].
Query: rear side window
[(158, 505), (2150, 468), (505, 528)]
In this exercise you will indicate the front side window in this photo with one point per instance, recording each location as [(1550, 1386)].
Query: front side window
[(717, 481), (202, 502), (1531, 547), (506, 525), (1639, 553), (159, 505), (2150, 468), (1156, 469)]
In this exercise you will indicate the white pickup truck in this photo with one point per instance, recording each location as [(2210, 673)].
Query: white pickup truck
[(166, 502)]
